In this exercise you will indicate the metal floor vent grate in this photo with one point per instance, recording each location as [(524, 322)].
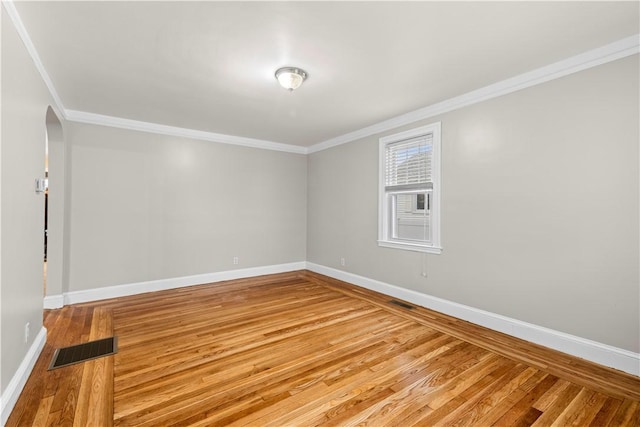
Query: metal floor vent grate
[(82, 352), (401, 304)]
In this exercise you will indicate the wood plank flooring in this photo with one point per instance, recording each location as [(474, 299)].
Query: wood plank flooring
[(76, 395), (300, 349)]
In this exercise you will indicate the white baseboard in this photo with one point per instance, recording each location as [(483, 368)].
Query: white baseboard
[(97, 294), (593, 351), (53, 301), (17, 383)]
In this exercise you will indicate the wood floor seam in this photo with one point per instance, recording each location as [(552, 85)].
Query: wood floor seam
[(302, 349)]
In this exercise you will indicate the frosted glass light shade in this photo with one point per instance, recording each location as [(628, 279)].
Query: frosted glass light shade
[(290, 77)]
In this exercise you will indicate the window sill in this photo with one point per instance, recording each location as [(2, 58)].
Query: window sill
[(410, 247)]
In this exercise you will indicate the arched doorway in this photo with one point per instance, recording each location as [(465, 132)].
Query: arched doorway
[(55, 200)]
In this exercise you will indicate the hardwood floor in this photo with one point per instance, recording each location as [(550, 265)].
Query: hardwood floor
[(76, 395), (303, 349)]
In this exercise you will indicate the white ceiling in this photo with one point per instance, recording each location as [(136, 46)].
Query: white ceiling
[(209, 66)]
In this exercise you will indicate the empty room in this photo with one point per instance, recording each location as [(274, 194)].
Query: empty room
[(320, 213)]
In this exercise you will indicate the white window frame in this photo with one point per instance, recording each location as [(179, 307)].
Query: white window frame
[(385, 238)]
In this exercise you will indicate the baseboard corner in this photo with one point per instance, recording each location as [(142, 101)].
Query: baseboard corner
[(53, 302)]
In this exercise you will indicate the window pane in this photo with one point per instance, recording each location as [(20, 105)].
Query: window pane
[(409, 162), (408, 223)]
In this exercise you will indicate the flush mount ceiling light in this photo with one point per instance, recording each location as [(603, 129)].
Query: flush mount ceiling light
[(290, 77)]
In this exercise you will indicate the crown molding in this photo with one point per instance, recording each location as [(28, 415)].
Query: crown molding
[(24, 36), (98, 119), (117, 122), (592, 58)]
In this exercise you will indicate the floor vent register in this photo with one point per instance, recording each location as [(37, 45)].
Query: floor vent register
[(82, 352), (401, 304)]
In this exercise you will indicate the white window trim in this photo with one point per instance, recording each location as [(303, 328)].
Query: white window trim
[(383, 212)]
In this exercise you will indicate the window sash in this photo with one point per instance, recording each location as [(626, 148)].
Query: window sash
[(406, 224), (408, 163)]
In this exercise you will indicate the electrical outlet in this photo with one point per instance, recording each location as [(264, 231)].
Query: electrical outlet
[(342, 262), (236, 260), (27, 328)]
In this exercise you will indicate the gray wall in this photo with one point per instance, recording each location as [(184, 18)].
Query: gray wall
[(128, 206), (540, 207), (24, 106), (147, 207)]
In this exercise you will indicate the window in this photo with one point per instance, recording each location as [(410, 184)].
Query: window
[(409, 198)]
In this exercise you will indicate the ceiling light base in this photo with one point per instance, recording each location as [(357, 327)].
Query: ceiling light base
[(291, 78)]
